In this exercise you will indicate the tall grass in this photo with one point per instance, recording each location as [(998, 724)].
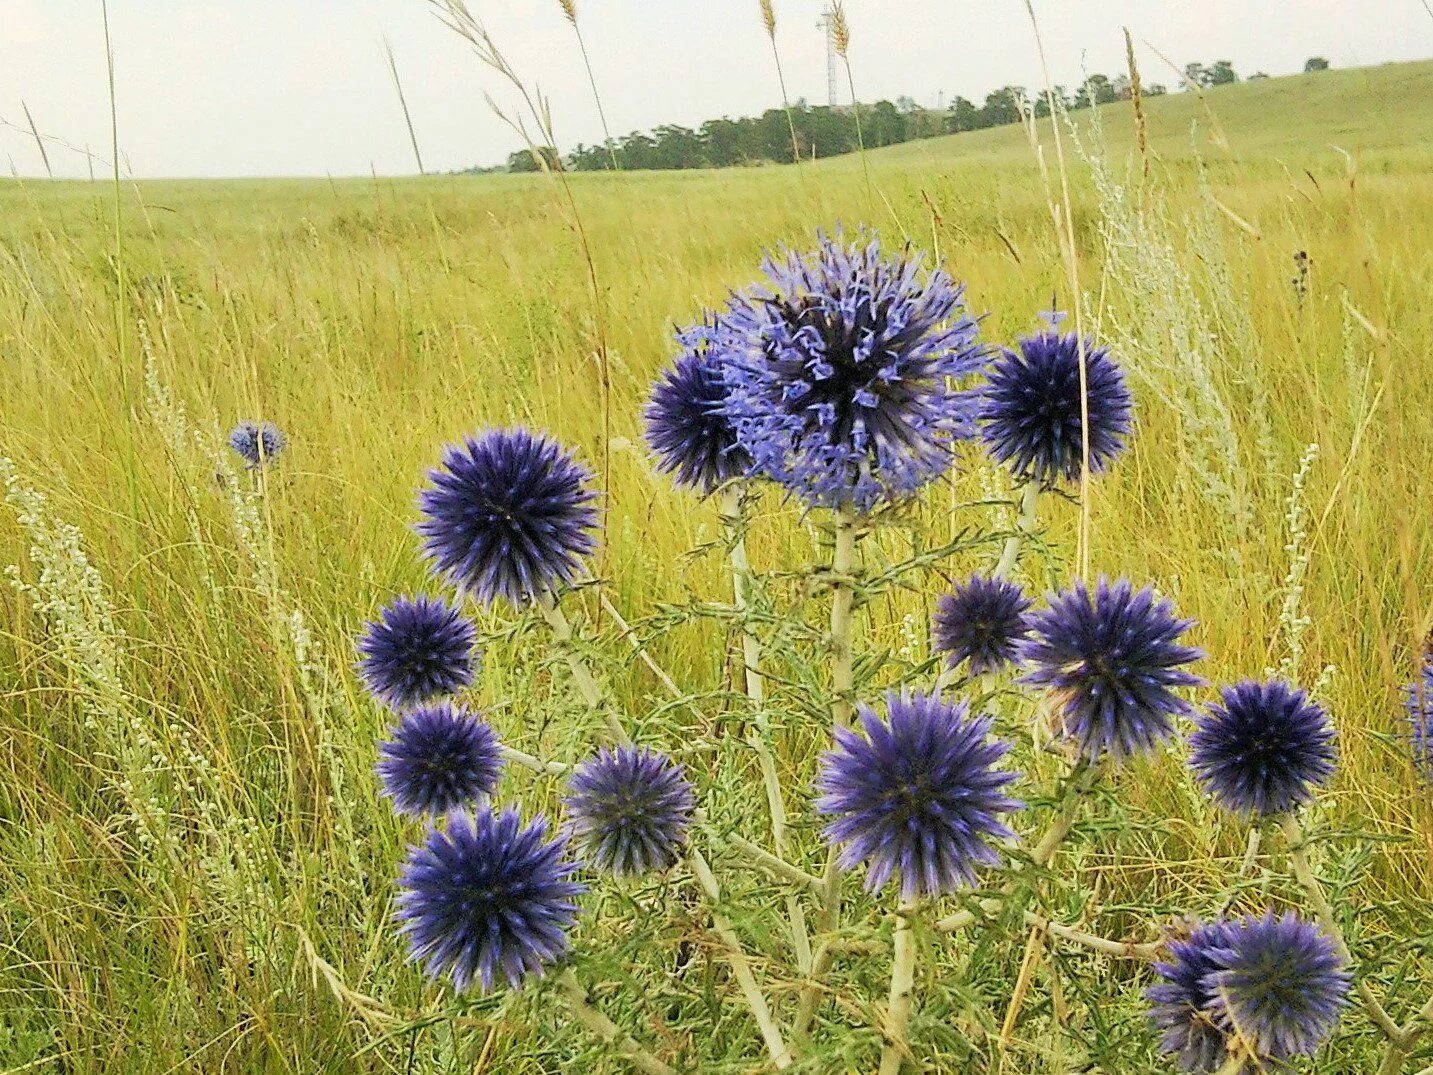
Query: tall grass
[(194, 871)]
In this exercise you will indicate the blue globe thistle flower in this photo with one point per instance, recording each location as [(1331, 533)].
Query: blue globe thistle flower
[(1263, 750), (919, 795), (1182, 1002), (1030, 411), (257, 443), (487, 898), (418, 648), (508, 515), (685, 428), (982, 621), (437, 759), (1279, 986), (1418, 697), (629, 810), (839, 372), (1111, 660)]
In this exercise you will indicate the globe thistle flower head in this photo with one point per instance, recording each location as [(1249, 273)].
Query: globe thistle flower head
[(685, 428), (1112, 660), (982, 621), (1030, 412), (1278, 987), (1263, 749), (839, 371), (419, 648), (257, 443), (919, 795), (1418, 697), (1181, 1001), (508, 515), (487, 899), (629, 809), (437, 759)]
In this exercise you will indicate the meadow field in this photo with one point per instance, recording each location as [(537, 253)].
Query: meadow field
[(196, 873)]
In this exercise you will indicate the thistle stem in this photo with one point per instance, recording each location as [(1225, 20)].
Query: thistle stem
[(1029, 504), (581, 673), (740, 965), (1296, 844), (733, 524), (603, 1027), (843, 600), (898, 1012), (1398, 1051)]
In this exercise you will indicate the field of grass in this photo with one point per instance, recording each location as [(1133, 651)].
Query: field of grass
[(195, 871)]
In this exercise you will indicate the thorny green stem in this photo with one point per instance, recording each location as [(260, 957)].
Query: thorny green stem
[(603, 1027), (898, 1011), (1297, 847), (843, 599), (581, 673), (733, 523), (1029, 503), (740, 965)]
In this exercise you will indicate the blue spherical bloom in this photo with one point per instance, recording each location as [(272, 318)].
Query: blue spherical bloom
[(1030, 413), (686, 430), (629, 810), (437, 759), (919, 795), (508, 515), (1278, 987), (1182, 1001), (982, 621), (418, 648), (1418, 697), (257, 443), (1263, 750), (1111, 660), (839, 373), (487, 898)]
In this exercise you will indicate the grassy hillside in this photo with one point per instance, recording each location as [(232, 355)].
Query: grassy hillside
[(376, 320)]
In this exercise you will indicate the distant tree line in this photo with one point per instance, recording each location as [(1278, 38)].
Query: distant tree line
[(823, 131)]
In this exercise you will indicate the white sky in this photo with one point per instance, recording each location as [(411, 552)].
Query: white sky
[(301, 87)]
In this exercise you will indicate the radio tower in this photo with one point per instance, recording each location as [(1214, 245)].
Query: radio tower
[(827, 22)]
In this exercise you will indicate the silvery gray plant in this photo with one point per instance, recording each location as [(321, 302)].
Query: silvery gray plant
[(908, 803)]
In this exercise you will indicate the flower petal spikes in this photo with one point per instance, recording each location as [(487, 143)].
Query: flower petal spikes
[(487, 900), (508, 515), (1111, 660), (419, 648), (919, 795), (257, 443), (438, 759), (629, 810), (983, 621), (841, 373)]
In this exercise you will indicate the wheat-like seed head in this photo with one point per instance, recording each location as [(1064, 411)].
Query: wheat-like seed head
[(840, 30), (569, 8), (768, 18)]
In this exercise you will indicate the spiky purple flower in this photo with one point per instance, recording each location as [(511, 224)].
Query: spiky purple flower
[(983, 621), (508, 515), (685, 428), (1263, 750), (919, 795), (257, 443), (629, 809), (487, 898), (1278, 987), (418, 648), (840, 372), (1182, 1001), (1030, 413), (1111, 660), (437, 759), (1418, 697)]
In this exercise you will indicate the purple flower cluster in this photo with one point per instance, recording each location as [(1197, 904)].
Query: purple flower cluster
[(418, 649), (844, 373), (1418, 697), (982, 621), (438, 759), (257, 443), (1111, 661), (1263, 750), (629, 809), (1268, 989), (918, 796)]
